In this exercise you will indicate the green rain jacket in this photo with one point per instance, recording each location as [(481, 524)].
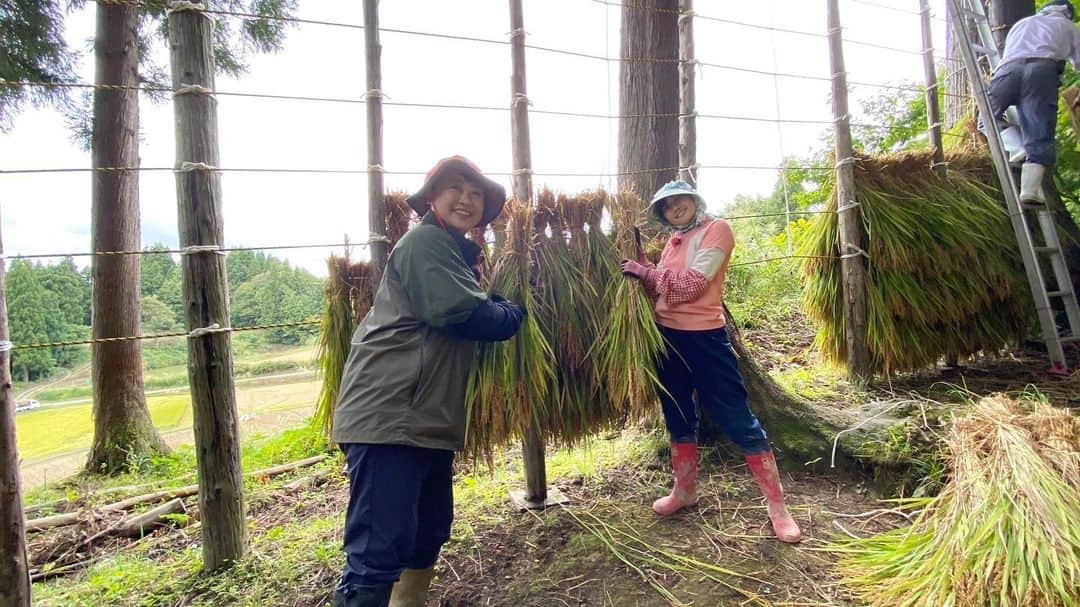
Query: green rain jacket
[(404, 382)]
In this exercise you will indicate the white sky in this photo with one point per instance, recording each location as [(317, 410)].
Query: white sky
[(45, 213)]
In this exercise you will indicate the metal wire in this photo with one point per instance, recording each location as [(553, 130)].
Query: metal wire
[(182, 251), (107, 340)]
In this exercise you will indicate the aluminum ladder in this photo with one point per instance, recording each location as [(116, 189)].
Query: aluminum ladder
[(968, 15)]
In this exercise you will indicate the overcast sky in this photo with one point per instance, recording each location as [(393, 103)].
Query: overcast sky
[(44, 213)]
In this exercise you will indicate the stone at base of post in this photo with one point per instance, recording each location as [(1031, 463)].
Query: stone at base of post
[(554, 497)]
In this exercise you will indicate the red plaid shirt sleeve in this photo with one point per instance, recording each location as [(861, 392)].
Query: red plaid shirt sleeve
[(675, 287)]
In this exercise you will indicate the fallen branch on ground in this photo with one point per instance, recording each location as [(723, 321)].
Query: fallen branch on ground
[(71, 518)]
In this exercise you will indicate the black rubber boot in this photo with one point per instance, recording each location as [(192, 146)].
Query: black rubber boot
[(363, 596)]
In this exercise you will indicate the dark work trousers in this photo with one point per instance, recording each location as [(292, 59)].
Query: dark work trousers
[(1032, 86), (704, 361), (401, 505)]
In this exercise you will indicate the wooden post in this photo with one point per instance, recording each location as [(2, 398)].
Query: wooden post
[(380, 247), (933, 108), (205, 286), (14, 569), (852, 255), (933, 114), (536, 494), (687, 111)]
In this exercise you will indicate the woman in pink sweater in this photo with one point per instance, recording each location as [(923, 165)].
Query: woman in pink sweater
[(688, 285)]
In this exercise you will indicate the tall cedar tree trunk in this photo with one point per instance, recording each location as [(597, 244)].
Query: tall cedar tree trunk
[(795, 426), (123, 430), (649, 85)]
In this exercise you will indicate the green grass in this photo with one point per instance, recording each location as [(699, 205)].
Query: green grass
[(50, 431), (299, 557), (165, 366), (178, 468)]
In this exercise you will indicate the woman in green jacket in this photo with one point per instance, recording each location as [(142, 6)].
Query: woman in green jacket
[(401, 411)]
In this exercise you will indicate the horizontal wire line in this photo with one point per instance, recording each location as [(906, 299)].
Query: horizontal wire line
[(297, 20), (307, 246), (182, 251), (781, 258), (305, 323), (106, 340), (541, 111), (390, 172)]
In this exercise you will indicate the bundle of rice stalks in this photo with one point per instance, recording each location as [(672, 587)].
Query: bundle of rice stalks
[(570, 301), (399, 216), (944, 276), (629, 342), (335, 337), (1003, 532), (508, 389)]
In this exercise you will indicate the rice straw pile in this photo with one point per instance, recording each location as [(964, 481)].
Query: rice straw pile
[(1005, 531), (944, 273)]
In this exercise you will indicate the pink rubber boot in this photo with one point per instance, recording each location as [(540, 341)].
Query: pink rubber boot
[(684, 461), (763, 468)]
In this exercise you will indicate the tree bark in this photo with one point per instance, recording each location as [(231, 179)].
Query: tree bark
[(14, 568), (123, 430), (649, 99)]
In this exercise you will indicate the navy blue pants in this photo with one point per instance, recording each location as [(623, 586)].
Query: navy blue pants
[(401, 505), (1032, 86), (704, 361)]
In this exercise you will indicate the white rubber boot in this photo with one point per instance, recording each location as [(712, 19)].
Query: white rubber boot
[(1014, 145), (1031, 178)]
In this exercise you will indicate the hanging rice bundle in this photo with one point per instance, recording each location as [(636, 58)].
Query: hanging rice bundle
[(348, 299), (629, 342), (399, 216), (944, 277), (571, 301), (509, 387), (1003, 532)]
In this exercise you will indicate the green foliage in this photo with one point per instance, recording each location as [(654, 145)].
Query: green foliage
[(155, 270), (156, 317), (280, 294), (26, 316), (32, 47)]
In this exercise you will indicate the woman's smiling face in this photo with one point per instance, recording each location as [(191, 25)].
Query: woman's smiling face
[(679, 210), (459, 203)]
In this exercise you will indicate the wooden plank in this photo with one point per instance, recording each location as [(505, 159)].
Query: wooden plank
[(205, 287)]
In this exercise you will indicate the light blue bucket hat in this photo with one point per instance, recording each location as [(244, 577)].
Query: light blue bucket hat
[(674, 188)]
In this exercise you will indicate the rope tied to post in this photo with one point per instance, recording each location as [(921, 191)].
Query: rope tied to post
[(847, 207), (192, 89), (202, 248), (179, 6), (6, 346), (187, 167), (521, 97), (373, 238), (211, 330), (854, 251)]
